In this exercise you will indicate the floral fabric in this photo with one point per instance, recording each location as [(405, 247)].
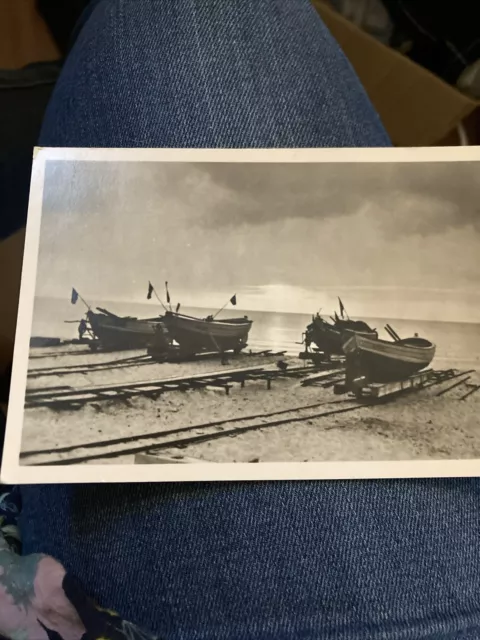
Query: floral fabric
[(39, 600)]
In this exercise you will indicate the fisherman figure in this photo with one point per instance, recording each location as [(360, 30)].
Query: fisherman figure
[(82, 328)]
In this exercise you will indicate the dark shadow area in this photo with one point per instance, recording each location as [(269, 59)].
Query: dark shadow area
[(24, 95)]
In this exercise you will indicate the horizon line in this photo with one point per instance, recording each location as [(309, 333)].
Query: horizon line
[(301, 313)]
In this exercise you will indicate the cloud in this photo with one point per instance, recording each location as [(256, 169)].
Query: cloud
[(415, 198), (108, 228)]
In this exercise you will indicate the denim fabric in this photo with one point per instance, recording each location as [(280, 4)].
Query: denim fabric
[(313, 560), (185, 73)]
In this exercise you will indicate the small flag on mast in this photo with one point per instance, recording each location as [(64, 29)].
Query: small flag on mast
[(166, 290), (74, 297), (233, 300), (150, 291), (342, 308)]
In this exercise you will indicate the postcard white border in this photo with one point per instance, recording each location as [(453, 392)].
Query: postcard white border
[(14, 473)]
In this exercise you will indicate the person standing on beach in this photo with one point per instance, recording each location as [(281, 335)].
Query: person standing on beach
[(82, 328)]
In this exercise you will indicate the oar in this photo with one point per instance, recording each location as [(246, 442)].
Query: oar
[(393, 334)]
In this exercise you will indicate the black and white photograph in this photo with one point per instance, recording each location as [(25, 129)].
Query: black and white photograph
[(216, 315)]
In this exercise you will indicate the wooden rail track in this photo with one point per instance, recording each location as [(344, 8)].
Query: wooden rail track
[(68, 398), (110, 365), (421, 380), (210, 431), (136, 361), (161, 443)]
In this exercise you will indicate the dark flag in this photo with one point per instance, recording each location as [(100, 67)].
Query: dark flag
[(74, 296), (178, 308), (168, 295), (150, 291), (342, 308), (233, 300)]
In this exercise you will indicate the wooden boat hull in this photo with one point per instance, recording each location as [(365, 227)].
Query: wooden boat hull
[(114, 332), (330, 339), (195, 334), (382, 361)]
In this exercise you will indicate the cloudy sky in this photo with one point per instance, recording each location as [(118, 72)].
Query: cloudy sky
[(393, 240)]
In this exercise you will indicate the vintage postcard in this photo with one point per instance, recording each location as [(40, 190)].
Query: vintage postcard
[(248, 315)]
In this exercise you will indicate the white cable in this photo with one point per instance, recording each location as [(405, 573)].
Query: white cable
[(462, 135)]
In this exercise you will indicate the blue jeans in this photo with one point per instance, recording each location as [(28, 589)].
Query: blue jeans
[(343, 560)]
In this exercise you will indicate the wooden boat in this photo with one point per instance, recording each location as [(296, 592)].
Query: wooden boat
[(330, 337), (384, 361), (117, 332), (195, 335)]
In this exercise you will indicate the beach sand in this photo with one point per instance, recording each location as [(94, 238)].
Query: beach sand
[(418, 425)]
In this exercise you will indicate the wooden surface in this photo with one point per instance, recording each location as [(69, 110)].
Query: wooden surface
[(24, 36), (11, 255), (417, 108)]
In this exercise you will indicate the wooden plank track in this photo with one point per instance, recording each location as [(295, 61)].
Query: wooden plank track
[(453, 386), (198, 439), (381, 390), (323, 379), (421, 380), (90, 368), (135, 361), (45, 397), (444, 375), (178, 430), (474, 388)]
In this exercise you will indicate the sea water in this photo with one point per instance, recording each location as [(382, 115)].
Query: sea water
[(458, 344)]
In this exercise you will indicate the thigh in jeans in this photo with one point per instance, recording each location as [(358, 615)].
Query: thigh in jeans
[(393, 559)]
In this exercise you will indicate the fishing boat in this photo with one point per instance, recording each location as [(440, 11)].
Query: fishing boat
[(117, 332), (384, 361), (330, 337), (195, 335)]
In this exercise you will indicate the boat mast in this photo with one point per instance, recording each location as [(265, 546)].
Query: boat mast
[(151, 289), (343, 311), (76, 296), (233, 300)]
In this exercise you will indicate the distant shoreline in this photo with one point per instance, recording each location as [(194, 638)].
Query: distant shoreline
[(240, 310)]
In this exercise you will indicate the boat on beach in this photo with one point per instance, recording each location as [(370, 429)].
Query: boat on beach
[(194, 335), (122, 332), (329, 337), (384, 361)]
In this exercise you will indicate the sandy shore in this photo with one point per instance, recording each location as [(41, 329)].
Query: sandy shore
[(420, 425)]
